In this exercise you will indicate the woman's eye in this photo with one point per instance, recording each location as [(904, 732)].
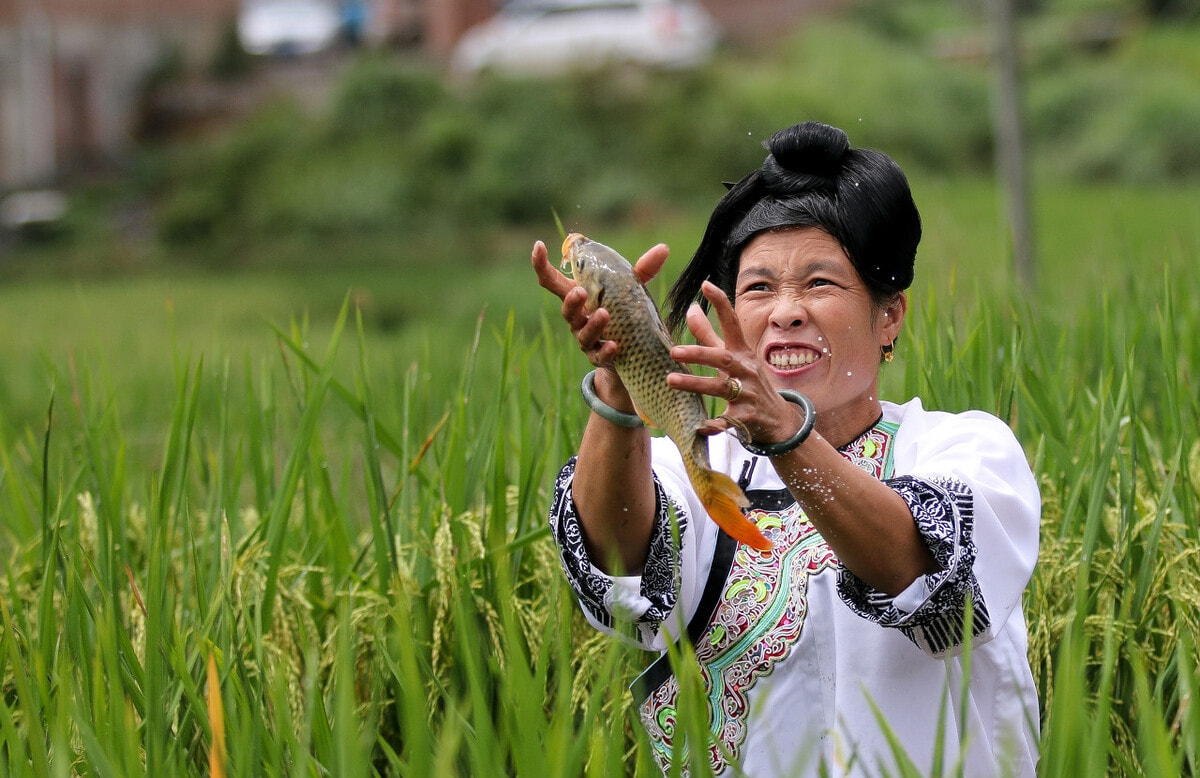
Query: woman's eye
[(821, 282)]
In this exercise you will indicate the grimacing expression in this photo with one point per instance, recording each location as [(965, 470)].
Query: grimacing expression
[(810, 319)]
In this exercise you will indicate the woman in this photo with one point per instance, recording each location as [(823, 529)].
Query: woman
[(889, 606)]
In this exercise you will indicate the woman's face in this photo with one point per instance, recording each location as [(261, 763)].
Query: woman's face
[(810, 320)]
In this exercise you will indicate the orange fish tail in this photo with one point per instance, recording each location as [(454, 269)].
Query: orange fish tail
[(723, 499)]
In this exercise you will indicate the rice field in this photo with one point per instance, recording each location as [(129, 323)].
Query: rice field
[(303, 551)]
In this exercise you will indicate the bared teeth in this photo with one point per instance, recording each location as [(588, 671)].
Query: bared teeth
[(790, 359)]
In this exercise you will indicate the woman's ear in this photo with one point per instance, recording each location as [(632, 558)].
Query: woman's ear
[(891, 318)]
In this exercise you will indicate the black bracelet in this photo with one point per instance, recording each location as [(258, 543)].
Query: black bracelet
[(603, 409), (784, 446)]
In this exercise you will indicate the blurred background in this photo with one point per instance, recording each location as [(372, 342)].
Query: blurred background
[(176, 175)]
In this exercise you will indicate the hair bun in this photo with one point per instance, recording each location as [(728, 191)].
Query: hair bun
[(803, 157)]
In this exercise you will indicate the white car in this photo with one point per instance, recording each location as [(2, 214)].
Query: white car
[(287, 26), (546, 37)]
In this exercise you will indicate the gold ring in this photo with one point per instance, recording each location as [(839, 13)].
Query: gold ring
[(734, 386)]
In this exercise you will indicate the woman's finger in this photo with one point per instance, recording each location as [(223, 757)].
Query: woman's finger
[(702, 328), (731, 329), (591, 329), (709, 351), (714, 426), (588, 328), (574, 307), (651, 263), (549, 277)]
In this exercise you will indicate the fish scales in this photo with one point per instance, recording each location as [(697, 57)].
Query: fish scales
[(643, 361)]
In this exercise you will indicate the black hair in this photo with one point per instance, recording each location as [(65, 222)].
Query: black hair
[(811, 178)]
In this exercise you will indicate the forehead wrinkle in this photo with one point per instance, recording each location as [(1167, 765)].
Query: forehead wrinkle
[(813, 267)]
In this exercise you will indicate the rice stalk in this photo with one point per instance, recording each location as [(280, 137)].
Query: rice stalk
[(367, 561)]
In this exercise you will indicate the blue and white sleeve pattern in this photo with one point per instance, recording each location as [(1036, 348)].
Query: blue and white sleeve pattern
[(932, 612), (604, 599)]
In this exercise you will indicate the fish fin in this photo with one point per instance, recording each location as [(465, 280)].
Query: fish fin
[(723, 499), (645, 419)]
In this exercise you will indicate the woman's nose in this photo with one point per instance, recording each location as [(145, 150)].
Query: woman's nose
[(788, 312)]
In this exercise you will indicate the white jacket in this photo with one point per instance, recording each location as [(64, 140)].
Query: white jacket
[(808, 668)]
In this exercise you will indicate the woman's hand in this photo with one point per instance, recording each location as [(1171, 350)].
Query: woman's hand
[(588, 326), (756, 410), (868, 525), (613, 488)]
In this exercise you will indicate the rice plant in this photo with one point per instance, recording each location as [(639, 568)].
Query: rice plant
[(338, 568)]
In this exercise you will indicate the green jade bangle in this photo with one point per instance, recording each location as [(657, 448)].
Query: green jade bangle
[(806, 427), (603, 409)]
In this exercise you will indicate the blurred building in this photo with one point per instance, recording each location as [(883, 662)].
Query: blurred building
[(73, 72), (447, 20), (751, 21)]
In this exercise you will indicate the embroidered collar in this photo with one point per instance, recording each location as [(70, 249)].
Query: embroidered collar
[(863, 434), (872, 450)]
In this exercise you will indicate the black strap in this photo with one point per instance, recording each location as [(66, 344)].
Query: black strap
[(659, 671)]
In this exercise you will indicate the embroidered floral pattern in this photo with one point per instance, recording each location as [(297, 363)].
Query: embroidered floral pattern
[(660, 578), (764, 603), (944, 512), (759, 618), (872, 451)]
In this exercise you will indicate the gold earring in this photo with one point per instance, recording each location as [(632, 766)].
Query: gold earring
[(889, 351)]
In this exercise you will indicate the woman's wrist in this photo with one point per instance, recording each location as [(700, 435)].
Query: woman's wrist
[(604, 409), (611, 390), (801, 435)]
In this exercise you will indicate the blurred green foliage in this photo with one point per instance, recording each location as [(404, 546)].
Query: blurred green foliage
[(403, 151)]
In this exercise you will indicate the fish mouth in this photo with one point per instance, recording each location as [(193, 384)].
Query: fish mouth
[(570, 241), (568, 246), (785, 358)]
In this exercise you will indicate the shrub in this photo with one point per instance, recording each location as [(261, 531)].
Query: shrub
[(378, 97), (402, 152), (1104, 123)]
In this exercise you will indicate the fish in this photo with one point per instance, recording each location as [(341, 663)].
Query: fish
[(642, 362)]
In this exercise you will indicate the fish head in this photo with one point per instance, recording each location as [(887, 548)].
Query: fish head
[(579, 258), (588, 258), (597, 268), (571, 258)]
